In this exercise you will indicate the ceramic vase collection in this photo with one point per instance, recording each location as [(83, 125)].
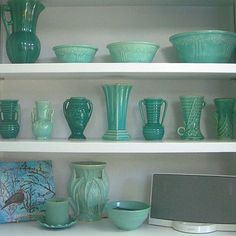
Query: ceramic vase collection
[(77, 111), (88, 188), (9, 118), (41, 118), (116, 96), (150, 110), (22, 45), (225, 117), (191, 107)]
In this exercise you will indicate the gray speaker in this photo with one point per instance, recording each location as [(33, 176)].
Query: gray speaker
[(194, 203)]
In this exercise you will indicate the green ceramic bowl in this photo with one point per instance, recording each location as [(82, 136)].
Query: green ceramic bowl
[(133, 51), (127, 215), (75, 53), (208, 46)]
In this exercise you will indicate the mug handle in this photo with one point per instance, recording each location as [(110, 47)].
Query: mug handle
[(65, 105), (90, 107), (7, 24), (181, 131), (73, 207), (141, 105), (164, 112)]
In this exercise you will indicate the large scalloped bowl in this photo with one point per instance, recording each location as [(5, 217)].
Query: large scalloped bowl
[(207, 46)]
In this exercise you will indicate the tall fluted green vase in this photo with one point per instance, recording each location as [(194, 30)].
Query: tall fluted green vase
[(89, 188), (20, 20), (117, 96), (225, 117)]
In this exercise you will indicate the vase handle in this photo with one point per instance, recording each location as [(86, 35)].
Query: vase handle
[(65, 105), (141, 105), (7, 24), (164, 112), (181, 131), (18, 114), (90, 107)]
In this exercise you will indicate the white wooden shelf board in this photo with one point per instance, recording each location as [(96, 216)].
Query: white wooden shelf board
[(102, 146), (116, 70), (103, 228)]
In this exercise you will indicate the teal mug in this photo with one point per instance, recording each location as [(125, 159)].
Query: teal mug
[(58, 211)]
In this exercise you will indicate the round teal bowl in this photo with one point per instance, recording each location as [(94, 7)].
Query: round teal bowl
[(133, 51), (75, 53), (208, 46), (127, 215)]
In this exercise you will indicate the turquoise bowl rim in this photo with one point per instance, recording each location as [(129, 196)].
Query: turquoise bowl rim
[(184, 34), (73, 46), (132, 42)]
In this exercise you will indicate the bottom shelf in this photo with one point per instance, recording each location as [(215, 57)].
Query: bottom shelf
[(103, 228)]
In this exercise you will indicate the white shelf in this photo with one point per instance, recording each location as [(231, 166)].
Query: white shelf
[(136, 2), (118, 70), (102, 146), (103, 228)]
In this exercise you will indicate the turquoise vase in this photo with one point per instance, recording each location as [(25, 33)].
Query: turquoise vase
[(41, 118), (117, 96), (77, 111), (225, 117), (22, 45), (192, 108), (150, 110), (88, 188)]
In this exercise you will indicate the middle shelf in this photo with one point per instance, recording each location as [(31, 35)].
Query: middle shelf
[(102, 146)]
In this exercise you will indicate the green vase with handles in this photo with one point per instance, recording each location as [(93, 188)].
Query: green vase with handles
[(150, 110), (117, 96), (225, 117), (88, 188), (191, 108), (20, 20), (77, 111)]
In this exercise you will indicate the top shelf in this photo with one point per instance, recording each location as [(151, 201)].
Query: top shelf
[(137, 2), (118, 71)]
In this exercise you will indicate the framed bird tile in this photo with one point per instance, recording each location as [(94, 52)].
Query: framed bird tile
[(24, 188)]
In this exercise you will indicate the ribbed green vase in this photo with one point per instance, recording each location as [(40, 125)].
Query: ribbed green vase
[(89, 188)]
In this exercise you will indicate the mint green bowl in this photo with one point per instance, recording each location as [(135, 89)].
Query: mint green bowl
[(127, 215), (133, 51), (207, 46), (75, 53)]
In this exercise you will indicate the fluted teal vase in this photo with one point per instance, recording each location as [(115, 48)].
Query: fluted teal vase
[(89, 188), (225, 117), (117, 96)]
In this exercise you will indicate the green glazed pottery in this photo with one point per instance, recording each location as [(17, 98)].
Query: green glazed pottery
[(9, 129), (150, 110), (23, 46), (88, 188), (133, 51), (225, 117), (191, 107), (77, 111), (207, 46), (116, 96), (41, 118), (127, 215), (75, 53)]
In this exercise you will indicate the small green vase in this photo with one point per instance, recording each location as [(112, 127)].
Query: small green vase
[(88, 188), (77, 111)]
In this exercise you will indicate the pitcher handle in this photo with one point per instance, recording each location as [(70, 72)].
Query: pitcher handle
[(7, 24), (65, 105), (164, 112), (141, 105), (90, 107)]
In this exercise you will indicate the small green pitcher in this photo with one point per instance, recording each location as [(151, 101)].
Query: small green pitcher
[(77, 111), (225, 116), (153, 125)]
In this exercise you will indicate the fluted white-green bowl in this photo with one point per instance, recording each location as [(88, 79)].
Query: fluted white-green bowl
[(75, 53), (207, 46), (133, 51)]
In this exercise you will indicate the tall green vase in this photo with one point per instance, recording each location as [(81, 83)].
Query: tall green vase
[(225, 117), (22, 45), (117, 96), (88, 188)]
